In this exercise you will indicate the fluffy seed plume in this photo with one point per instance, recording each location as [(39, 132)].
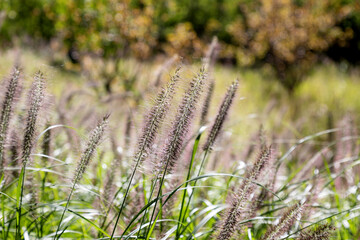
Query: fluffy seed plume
[(151, 127), (94, 140), (36, 99), (236, 210), (182, 122), (220, 118), (6, 110), (206, 106), (322, 232), (155, 118), (285, 223)]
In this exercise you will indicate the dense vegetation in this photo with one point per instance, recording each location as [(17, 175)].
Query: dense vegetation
[(179, 119), (166, 176)]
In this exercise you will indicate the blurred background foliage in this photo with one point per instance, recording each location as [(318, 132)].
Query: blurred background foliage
[(287, 36)]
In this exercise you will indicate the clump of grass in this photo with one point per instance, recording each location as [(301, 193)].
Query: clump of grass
[(176, 137), (148, 207), (93, 142), (152, 124), (214, 133)]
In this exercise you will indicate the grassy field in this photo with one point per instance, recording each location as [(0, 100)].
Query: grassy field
[(268, 165)]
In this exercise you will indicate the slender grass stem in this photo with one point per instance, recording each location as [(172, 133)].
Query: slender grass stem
[(193, 185), (125, 196), (153, 186), (63, 213), (196, 144), (157, 197)]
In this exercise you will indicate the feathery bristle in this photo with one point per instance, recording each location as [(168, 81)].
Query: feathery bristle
[(234, 214), (220, 118), (155, 118), (36, 99), (322, 232), (285, 223), (6, 110), (94, 140), (182, 123)]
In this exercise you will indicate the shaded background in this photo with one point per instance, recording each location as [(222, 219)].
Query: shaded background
[(288, 35)]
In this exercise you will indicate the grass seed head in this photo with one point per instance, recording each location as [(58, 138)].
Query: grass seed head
[(220, 118), (285, 223), (206, 106), (36, 96), (182, 122), (155, 118), (7, 109), (322, 232), (236, 211), (94, 140)]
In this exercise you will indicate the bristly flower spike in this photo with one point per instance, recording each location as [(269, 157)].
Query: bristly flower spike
[(220, 118), (153, 122), (322, 232), (206, 106), (182, 122), (36, 101), (94, 140), (180, 129), (247, 187), (6, 111), (155, 118), (285, 223)]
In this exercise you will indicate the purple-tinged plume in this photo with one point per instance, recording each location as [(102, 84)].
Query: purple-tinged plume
[(322, 232), (155, 118), (6, 111), (93, 142), (220, 118), (182, 122), (236, 211), (285, 223), (36, 96)]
